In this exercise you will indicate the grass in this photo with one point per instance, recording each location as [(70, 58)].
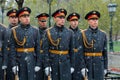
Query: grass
[(116, 46)]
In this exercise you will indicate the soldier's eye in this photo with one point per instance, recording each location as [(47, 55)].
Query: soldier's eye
[(25, 15)]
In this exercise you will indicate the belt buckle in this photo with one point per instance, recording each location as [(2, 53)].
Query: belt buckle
[(26, 50), (93, 54), (60, 52)]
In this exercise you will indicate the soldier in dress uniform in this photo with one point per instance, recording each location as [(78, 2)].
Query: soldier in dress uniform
[(12, 18), (73, 19), (95, 47), (13, 21), (59, 46), (3, 48), (24, 46), (42, 24)]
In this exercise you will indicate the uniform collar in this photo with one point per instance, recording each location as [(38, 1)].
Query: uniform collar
[(93, 30), (24, 26), (42, 28), (59, 28), (10, 26), (73, 29)]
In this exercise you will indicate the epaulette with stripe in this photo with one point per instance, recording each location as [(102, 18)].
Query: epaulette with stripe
[(83, 29), (49, 28), (2, 25), (14, 27), (102, 31)]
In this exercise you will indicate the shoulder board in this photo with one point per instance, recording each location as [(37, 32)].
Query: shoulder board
[(14, 27), (2, 25), (48, 28), (80, 29), (35, 27), (67, 27), (102, 31), (83, 29)]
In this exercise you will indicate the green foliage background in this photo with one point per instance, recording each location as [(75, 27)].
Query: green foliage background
[(80, 6)]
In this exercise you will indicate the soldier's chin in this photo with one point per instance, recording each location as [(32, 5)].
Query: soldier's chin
[(62, 25), (15, 24), (27, 23)]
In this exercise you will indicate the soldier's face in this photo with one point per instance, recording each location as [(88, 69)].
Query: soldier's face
[(13, 20), (25, 19), (60, 21), (42, 24), (74, 23), (93, 23)]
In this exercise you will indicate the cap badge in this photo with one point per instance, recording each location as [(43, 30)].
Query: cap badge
[(74, 14), (14, 10), (25, 8), (94, 12), (43, 14), (62, 10)]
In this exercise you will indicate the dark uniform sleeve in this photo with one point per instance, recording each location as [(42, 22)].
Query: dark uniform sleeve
[(37, 49), (13, 53), (46, 49), (71, 51), (4, 48), (81, 50), (105, 53)]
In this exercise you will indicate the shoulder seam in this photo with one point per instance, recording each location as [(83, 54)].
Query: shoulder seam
[(3, 25)]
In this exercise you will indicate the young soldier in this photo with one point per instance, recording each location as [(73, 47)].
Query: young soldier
[(13, 21), (42, 23), (12, 18), (24, 45), (59, 53), (95, 47), (3, 48), (73, 19)]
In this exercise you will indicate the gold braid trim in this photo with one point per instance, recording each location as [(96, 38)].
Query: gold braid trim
[(21, 43), (53, 42), (41, 42), (87, 45)]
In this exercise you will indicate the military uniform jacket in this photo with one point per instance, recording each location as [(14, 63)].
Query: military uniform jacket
[(60, 63), (3, 48), (3, 44), (10, 75), (32, 40), (40, 75), (25, 58), (42, 41), (8, 34), (78, 45), (96, 64), (79, 54)]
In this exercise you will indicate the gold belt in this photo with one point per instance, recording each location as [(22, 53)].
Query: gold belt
[(93, 54), (25, 49), (75, 50), (0, 49), (58, 52)]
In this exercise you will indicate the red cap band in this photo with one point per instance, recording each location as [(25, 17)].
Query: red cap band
[(24, 12), (92, 16)]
